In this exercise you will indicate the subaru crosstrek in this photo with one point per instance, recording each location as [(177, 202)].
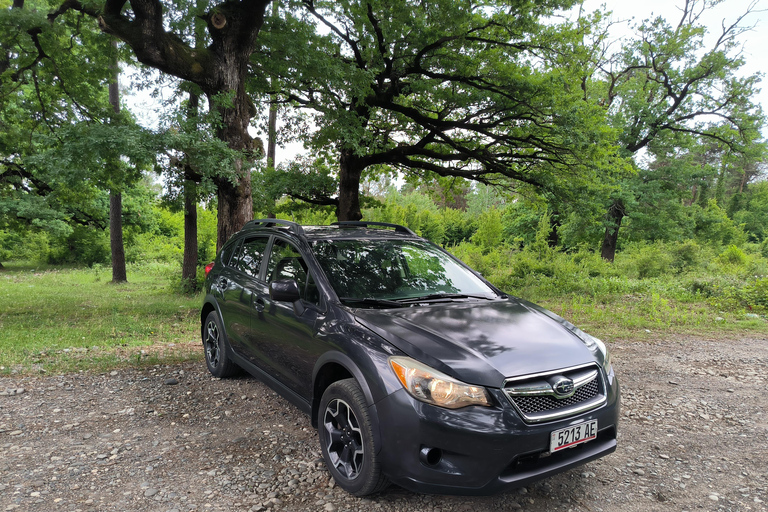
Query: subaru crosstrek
[(413, 368)]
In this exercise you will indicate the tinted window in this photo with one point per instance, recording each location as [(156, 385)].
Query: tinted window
[(248, 258), (226, 253), (285, 262), (393, 269)]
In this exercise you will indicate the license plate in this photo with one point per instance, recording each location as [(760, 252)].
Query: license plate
[(571, 436)]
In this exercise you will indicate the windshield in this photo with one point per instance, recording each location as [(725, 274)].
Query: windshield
[(394, 270)]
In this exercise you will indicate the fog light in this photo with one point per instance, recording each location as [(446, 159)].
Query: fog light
[(430, 456)]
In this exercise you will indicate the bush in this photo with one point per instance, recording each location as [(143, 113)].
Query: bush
[(25, 245), (756, 294), (489, 234), (648, 261), (591, 263), (733, 256), (713, 226), (184, 286), (686, 255), (84, 245), (458, 226)]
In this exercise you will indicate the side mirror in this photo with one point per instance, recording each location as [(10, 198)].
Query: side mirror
[(284, 290)]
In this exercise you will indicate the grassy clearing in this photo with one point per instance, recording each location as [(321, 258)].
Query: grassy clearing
[(61, 320)]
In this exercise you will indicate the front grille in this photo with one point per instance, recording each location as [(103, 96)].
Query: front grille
[(534, 404), (536, 400)]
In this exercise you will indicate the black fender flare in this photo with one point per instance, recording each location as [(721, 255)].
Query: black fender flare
[(347, 363)]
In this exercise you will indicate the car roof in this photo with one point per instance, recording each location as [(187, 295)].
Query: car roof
[(355, 233), (340, 231)]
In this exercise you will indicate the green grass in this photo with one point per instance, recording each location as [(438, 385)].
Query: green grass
[(652, 317), (61, 320)]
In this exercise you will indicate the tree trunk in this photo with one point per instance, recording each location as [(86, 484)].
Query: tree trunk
[(614, 217), (119, 274), (554, 235), (235, 207), (189, 262), (720, 185), (235, 199), (350, 171), (189, 265), (116, 237), (220, 69), (272, 124), (272, 136)]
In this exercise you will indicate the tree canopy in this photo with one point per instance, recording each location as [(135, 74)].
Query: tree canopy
[(585, 132)]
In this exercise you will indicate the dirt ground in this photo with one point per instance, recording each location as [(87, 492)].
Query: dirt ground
[(693, 436)]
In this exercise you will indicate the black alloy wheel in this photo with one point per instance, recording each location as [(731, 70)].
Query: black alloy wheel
[(346, 439), (215, 346)]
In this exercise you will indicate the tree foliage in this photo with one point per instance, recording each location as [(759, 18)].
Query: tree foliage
[(667, 81), (443, 88)]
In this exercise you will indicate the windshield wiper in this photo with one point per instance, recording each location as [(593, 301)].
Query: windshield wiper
[(370, 301), (445, 296)]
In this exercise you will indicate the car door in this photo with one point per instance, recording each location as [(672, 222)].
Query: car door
[(237, 283), (286, 332)]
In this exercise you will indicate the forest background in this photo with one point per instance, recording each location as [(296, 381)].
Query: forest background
[(619, 180)]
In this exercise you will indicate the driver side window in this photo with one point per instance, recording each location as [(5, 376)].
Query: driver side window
[(285, 262)]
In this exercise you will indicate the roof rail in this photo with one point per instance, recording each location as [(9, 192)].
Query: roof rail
[(265, 223), (397, 227)]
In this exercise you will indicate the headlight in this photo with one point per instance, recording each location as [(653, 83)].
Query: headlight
[(436, 388), (597, 346), (606, 357)]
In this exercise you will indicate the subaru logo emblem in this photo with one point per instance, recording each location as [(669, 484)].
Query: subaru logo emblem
[(563, 387)]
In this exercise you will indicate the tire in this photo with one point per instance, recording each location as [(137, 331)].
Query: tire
[(346, 439), (215, 348)]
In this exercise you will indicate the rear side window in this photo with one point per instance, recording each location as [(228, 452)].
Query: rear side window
[(248, 257)]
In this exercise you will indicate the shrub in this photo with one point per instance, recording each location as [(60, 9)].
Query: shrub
[(686, 255), (756, 294), (733, 256), (489, 234), (650, 261), (712, 225), (24, 245), (84, 245), (458, 226)]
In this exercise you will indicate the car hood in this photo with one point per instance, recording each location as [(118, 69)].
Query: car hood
[(480, 343)]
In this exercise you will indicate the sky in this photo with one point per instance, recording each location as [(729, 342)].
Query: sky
[(755, 46)]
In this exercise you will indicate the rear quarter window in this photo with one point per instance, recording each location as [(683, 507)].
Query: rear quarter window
[(226, 252)]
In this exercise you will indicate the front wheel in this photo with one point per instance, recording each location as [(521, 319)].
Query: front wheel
[(346, 439), (215, 347)]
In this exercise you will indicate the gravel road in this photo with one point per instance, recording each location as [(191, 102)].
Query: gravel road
[(693, 436)]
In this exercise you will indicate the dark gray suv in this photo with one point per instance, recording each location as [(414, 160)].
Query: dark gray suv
[(412, 367)]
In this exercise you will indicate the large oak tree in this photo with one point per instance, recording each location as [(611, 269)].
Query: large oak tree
[(219, 69), (437, 88)]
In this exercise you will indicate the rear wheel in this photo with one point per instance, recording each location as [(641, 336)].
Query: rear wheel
[(215, 347), (346, 439)]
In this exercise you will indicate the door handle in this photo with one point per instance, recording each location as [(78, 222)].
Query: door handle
[(259, 305)]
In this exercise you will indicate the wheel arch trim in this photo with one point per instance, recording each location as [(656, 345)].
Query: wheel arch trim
[(346, 362)]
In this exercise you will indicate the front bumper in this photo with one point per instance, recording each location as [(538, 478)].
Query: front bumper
[(480, 450)]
